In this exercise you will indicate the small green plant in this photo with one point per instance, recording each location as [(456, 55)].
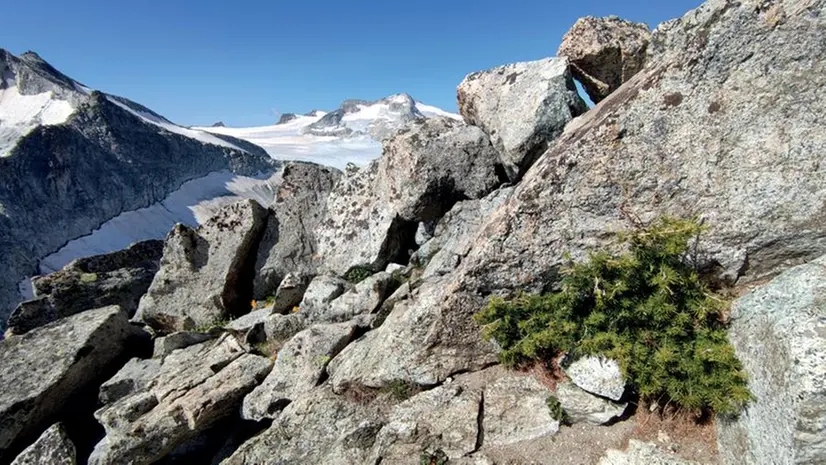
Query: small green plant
[(88, 277), (321, 360), (269, 348), (217, 324), (358, 273), (438, 457), (557, 412), (400, 389), (646, 308)]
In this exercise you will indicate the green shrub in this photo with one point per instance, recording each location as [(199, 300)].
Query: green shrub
[(358, 273), (646, 308)]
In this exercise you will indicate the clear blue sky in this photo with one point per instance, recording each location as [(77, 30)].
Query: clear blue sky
[(242, 60)]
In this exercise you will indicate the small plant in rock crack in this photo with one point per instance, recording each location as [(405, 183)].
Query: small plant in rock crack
[(557, 412), (437, 457), (269, 349), (400, 389), (358, 273), (647, 308), (217, 324)]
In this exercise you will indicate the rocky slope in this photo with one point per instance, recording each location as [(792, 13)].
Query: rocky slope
[(360, 347), (64, 173)]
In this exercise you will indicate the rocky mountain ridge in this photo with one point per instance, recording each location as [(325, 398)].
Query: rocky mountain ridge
[(335, 325), (63, 175)]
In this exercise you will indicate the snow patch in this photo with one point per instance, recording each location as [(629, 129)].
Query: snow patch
[(430, 112), (195, 202), (20, 114)]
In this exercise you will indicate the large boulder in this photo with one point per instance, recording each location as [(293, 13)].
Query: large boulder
[(45, 367), (597, 375), (605, 52), (206, 274), (779, 333), (119, 278), (289, 243), (445, 418), (522, 107), (373, 212), (417, 343), (53, 447), (299, 368), (320, 428), (193, 389), (581, 406), (516, 411)]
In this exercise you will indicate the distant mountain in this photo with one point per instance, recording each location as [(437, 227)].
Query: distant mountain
[(72, 158), (350, 134), (376, 119)]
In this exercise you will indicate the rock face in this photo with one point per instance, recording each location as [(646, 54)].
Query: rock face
[(373, 212), (522, 107), (43, 368), (581, 406), (119, 278), (193, 389), (298, 369), (52, 448), (451, 238), (289, 243), (597, 375), (286, 118), (206, 274), (605, 52), (418, 341), (685, 136), (779, 333), (60, 182)]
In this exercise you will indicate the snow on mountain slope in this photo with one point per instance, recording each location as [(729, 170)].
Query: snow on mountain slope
[(350, 134), (286, 142), (20, 114), (157, 120), (192, 204)]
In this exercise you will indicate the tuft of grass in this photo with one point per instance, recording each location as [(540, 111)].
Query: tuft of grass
[(400, 389), (358, 273), (88, 277), (217, 324), (269, 349), (647, 308)]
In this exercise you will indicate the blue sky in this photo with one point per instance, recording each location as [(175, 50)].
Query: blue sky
[(243, 61)]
